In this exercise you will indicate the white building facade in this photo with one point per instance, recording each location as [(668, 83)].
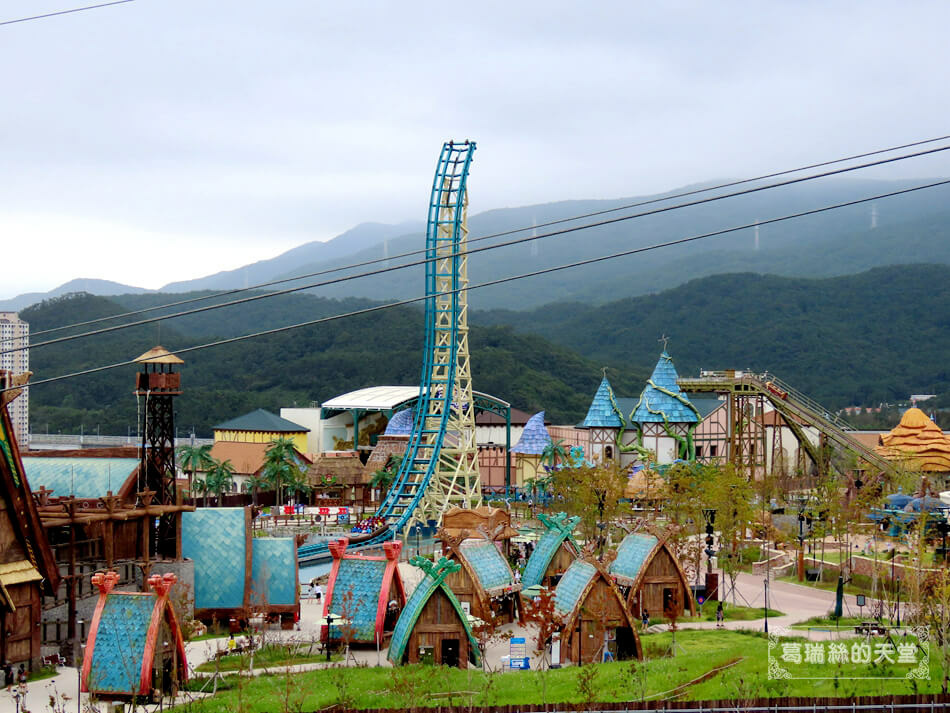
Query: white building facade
[(15, 334)]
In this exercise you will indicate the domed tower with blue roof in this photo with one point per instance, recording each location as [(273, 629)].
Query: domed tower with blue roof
[(663, 420), (604, 422)]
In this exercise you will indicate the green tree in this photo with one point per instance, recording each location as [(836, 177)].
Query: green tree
[(386, 476), (553, 452), (282, 468), (219, 478), (194, 459), (593, 492)]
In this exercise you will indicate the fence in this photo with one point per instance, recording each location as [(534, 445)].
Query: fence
[(878, 704)]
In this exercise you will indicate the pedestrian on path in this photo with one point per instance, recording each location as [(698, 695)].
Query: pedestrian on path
[(317, 591), (720, 616), (646, 620), (21, 678)]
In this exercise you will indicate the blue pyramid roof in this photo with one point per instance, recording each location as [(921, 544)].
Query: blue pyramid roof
[(535, 437), (662, 397), (601, 413), (400, 424)]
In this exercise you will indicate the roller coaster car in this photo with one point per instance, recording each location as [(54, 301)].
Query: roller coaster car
[(776, 390)]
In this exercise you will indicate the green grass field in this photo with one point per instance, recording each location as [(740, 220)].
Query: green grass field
[(270, 655), (702, 651)]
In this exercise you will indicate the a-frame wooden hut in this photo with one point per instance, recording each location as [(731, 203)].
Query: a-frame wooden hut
[(485, 582), (555, 551), (651, 577), (433, 627), (27, 567), (367, 591), (135, 648), (594, 617)]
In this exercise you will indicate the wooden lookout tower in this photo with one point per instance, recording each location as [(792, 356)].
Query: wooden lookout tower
[(156, 387)]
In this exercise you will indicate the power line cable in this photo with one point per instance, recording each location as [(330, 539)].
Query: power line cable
[(512, 231), (65, 12), (507, 243), (501, 280)]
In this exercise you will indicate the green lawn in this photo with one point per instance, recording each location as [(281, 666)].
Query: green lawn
[(731, 612), (702, 651), (270, 655)]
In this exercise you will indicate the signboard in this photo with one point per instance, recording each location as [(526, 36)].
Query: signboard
[(518, 654)]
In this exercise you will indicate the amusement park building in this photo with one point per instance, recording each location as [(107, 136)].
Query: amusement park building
[(261, 426)]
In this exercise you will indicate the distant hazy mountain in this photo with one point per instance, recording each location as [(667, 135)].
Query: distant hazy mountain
[(352, 241), (912, 227), (82, 284)]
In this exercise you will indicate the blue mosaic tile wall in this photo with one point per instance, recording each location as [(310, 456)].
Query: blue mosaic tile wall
[(273, 571), (82, 477), (572, 586), (364, 579), (215, 539), (489, 564), (120, 643), (631, 554)]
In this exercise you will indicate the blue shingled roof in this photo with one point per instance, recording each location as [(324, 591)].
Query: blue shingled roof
[(216, 540), (601, 413), (490, 566), (535, 437), (558, 529), (274, 571), (120, 643), (363, 580), (569, 590), (655, 404), (400, 424), (261, 420), (81, 477), (632, 554)]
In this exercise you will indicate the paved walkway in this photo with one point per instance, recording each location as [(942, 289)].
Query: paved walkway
[(797, 602)]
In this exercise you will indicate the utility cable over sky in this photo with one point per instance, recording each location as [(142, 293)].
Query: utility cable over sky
[(411, 253), (499, 281), (64, 12), (507, 243)]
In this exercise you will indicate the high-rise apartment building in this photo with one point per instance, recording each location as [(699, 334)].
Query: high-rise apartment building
[(15, 333)]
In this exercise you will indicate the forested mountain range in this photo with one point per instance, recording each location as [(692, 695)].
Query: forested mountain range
[(291, 368), (860, 339)]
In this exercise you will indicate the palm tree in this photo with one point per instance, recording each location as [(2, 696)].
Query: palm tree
[(200, 486), (282, 467), (386, 476), (194, 459), (219, 478), (553, 452)]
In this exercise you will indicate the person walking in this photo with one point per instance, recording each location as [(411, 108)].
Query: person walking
[(646, 620), (318, 592), (21, 678), (8, 678), (720, 616)]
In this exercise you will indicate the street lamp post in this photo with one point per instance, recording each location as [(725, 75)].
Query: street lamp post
[(898, 602), (329, 632), (709, 515), (802, 502), (766, 605)]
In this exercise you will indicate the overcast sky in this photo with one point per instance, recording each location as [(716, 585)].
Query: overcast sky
[(206, 134)]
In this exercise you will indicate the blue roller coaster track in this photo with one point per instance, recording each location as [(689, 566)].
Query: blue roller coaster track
[(443, 280)]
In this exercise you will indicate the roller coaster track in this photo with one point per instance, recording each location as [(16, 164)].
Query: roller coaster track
[(440, 467), (795, 407)]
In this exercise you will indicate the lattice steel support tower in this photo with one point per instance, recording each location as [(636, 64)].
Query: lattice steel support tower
[(441, 464), (158, 384)]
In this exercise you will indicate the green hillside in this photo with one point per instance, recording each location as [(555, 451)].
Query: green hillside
[(295, 367), (862, 339)]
